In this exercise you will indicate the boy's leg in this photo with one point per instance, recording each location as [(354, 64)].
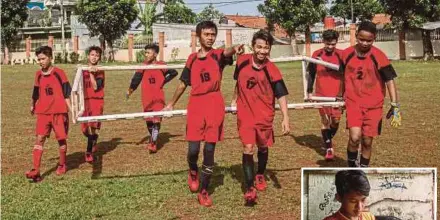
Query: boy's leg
[(193, 156), (325, 129), (208, 164), (355, 135), (248, 165), (61, 126), (367, 144)]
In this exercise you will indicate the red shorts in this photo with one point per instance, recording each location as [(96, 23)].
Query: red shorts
[(368, 119), (154, 107), (58, 122), (93, 107), (331, 112), (204, 120), (258, 136)]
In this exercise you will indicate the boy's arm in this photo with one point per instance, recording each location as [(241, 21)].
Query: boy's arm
[(135, 81), (169, 75), (311, 68), (35, 97), (285, 123), (229, 52), (177, 94)]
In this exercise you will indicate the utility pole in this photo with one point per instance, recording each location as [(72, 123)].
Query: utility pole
[(63, 44), (351, 5)]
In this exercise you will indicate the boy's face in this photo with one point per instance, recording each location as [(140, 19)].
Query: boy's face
[(150, 55), (261, 49), (352, 204), (94, 57), (330, 45), (365, 40), (207, 37), (44, 61)]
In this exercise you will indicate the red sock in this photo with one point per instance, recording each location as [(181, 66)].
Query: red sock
[(36, 156), (63, 150)]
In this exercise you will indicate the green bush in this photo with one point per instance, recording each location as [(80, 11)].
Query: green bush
[(74, 57), (140, 56), (58, 58)]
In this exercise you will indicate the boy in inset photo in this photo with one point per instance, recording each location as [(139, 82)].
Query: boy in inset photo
[(352, 190)]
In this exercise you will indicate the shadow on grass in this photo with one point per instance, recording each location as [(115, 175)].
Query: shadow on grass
[(74, 160), (314, 142)]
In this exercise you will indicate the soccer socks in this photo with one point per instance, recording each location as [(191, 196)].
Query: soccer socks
[(351, 158), (326, 137), (37, 152), (92, 139), (263, 155), (63, 151), (155, 132), (364, 161), (333, 130), (208, 164), (193, 154), (153, 129), (248, 169)]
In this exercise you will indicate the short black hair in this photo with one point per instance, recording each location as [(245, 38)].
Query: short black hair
[(153, 47), (367, 26), (263, 35), (347, 181), (205, 25), (94, 48), (329, 35), (46, 50)]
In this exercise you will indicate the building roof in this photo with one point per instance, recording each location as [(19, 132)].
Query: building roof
[(381, 19), (257, 23)]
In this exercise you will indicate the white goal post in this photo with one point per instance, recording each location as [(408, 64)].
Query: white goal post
[(77, 95)]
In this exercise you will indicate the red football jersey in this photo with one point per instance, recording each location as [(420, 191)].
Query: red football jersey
[(204, 74), (89, 92), (339, 216), (52, 89), (328, 81), (256, 90), (152, 83), (365, 77)]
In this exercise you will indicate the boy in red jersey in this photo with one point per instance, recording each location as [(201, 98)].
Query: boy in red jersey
[(328, 84), (50, 102), (206, 107), (259, 82), (367, 73), (153, 98), (352, 190), (93, 81)]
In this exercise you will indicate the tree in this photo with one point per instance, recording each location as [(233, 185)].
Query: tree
[(209, 13), (108, 19), (175, 11), (406, 14), (362, 9), (14, 14), (293, 15), (147, 16)]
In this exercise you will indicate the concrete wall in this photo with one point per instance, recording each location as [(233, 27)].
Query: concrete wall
[(408, 195)]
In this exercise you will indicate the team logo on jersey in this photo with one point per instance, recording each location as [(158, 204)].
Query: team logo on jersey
[(251, 82)]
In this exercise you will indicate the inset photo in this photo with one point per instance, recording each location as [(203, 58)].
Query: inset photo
[(369, 194)]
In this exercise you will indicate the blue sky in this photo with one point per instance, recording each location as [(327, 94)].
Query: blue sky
[(243, 8)]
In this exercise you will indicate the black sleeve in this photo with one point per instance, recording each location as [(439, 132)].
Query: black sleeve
[(185, 77), (312, 75), (36, 93), (99, 83), (224, 61), (169, 75), (66, 90), (279, 88), (236, 71), (387, 73), (136, 80)]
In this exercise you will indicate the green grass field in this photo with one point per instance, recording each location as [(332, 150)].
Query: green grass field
[(126, 182)]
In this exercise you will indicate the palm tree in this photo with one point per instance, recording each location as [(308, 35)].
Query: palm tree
[(147, 16)]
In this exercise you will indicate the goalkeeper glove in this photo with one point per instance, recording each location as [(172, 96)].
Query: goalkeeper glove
[(394, 114)]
